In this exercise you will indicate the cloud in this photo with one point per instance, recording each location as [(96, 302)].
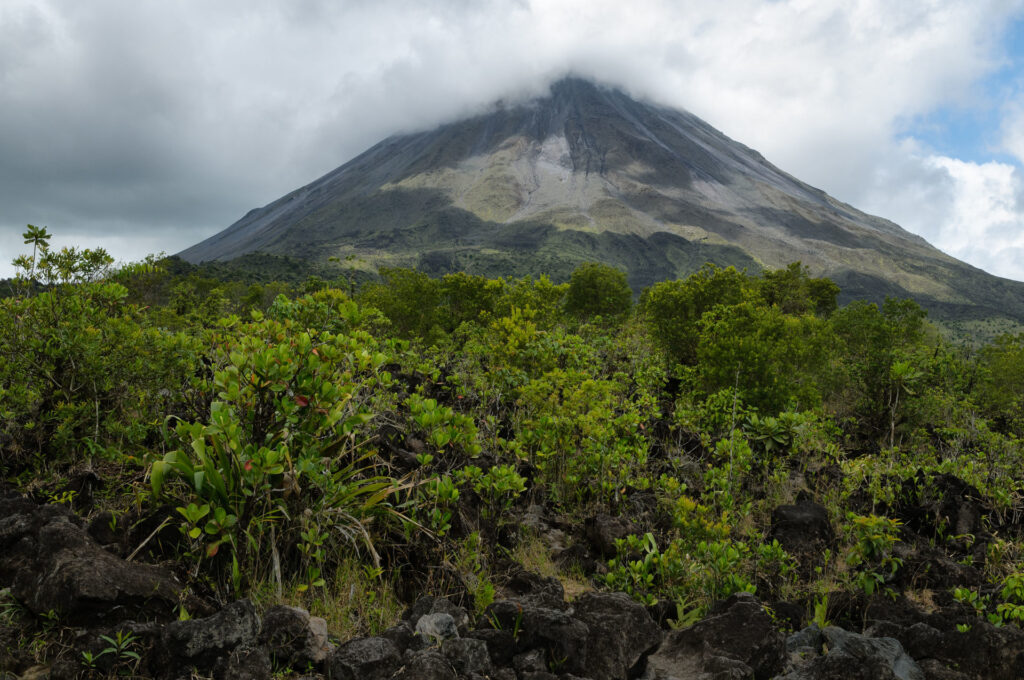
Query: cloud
[(146, 124), (973, 211)]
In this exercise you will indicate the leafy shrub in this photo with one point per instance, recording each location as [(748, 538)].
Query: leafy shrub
[(77, 363), (673, 309), (284, 432), (598, 290)]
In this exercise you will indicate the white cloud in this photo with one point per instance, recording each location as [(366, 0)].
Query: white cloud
[(173, 119), (973, 211)]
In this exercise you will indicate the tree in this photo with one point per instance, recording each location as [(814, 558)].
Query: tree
[(39, 239), (409, 298), (597, 289), (794, 291), (771, 357), (673, 309), (880, 352)]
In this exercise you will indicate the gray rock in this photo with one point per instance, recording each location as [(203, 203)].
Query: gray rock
[(369, 658), (204, 643), (53, 564), (294, 638), (527, 587), (533, 661), (427, 664), (562, 637), (802, 529), (850, 656), (467, 656), (603, 530), (737, 640), (438, 605), (437, 627), (622, 633), (501, 644), (504, 674), (403, 636), (248, 663), (806, 641)]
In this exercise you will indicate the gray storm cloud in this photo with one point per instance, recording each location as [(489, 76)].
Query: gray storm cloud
[(145, 126)]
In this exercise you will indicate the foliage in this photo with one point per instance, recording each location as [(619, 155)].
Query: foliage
[(674, 309), (288, 417), (598, 290), (323, 444)]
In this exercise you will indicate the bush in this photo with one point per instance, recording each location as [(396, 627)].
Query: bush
[(598, 290)]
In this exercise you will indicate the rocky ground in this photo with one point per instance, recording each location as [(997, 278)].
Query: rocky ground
[(52, 561)]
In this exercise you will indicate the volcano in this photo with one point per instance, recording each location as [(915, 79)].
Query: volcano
[(588, 173)]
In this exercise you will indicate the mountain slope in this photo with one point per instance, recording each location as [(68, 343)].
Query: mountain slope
[(589, 173)]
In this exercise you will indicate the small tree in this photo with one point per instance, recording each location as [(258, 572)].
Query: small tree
[(597, 289), (673, 309)]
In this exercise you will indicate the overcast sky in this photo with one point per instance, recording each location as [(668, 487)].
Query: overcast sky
[(144, 126)]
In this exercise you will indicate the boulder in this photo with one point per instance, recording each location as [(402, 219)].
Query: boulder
[(603, 530), (437, 605), (52, 564), (851, 656), (622, 633), (403, 636), (248, 663), (527, 587), (434, 628), (737, 640), (562, 638), (982, 651), (533, 661), (368, 658), (500, 644), (467, 656), (205, 644), (426, 664), (293, 638), (802, 529)]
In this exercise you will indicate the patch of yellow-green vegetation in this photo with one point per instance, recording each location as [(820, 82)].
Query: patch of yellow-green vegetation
[(443, 178), (357, 599), (568, 220), (533, 554), (977, 332), (613, 215), (495, 197), (693, 233), (894, 270)]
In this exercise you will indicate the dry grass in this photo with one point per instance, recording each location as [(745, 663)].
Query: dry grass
[(356, 601), (534, 556)]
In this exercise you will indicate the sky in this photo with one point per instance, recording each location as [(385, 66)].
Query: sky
[(143, 127)]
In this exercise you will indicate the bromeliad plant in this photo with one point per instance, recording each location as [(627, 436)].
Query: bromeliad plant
[(287, 419)]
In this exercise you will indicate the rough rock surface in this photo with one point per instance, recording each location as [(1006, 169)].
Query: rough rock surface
[(737, 640), (204, 644), (622, 633), (603, 530), (293, 638), (561, 637), (371, 658), (51, 563), (842, 655), (803, 529)]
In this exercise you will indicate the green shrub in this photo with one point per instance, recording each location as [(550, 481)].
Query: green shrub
[(598, 290)]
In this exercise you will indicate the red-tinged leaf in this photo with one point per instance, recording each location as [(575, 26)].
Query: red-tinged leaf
[(301, 400), (212, 549)]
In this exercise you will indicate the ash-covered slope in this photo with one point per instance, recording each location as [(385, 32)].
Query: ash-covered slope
[(587, 173)]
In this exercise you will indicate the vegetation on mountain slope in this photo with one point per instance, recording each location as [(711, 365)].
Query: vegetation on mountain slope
[(347, 449)]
